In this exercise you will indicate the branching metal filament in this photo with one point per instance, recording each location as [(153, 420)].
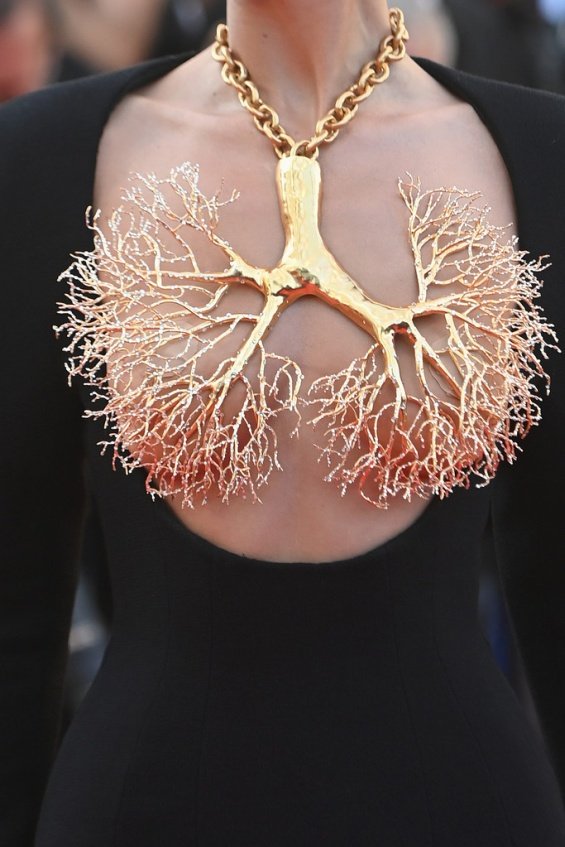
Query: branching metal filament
[(140, 303)]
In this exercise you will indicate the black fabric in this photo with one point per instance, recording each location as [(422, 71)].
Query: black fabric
[(248, 703)]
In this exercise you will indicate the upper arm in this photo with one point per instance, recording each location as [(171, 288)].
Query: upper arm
[(42, 480)]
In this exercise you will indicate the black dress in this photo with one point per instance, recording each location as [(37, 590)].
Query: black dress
[(245, 703)]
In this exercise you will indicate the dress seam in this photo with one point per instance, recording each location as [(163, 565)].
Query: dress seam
[(408, 708), (511, 842), (211, 589)]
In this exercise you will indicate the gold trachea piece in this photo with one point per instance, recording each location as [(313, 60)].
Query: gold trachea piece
[(131, 300)]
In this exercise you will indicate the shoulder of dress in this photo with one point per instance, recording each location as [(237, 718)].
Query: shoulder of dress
[(507, 106), (49, 138), (73, 112), (528, 126)]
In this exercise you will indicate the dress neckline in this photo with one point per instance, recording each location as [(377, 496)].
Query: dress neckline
[(458, 83), (136, 77), (222, 554)]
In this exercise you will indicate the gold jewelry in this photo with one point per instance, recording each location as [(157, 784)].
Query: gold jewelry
[(133, 304), (234, 72)]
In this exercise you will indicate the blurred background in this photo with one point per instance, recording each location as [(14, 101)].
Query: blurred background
[(43, 41), (46, 41)]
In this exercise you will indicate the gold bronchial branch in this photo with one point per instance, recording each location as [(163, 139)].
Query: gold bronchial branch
[(140, 303), (485, 291)]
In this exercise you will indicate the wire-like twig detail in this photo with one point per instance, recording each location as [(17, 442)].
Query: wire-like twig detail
[(475, 277), (131, 301), (141, 317)]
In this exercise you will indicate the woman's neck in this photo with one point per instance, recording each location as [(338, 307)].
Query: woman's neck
[(302, 54)]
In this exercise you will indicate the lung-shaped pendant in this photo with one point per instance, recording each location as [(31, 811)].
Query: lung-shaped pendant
[(139, 294)]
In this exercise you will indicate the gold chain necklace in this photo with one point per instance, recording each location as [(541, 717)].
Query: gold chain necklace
[(392, 48)]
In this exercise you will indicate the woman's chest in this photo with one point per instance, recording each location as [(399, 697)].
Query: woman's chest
[(365, 304)]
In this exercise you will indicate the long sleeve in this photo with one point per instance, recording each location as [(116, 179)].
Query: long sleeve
[(527, 497), (42, 489), (48, 149)]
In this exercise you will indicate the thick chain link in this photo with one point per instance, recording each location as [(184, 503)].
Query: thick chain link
[(391, 49)]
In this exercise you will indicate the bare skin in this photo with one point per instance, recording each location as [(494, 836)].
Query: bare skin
[(410, 123)]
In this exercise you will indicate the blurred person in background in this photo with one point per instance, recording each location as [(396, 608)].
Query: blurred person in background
[(27, 50), (109, 34), (106, 35), (44, 41), (553, 10), (432, 31), (188, 25), (509, 40)]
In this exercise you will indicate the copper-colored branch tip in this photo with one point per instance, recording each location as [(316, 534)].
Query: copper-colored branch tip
[(141, 320)]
